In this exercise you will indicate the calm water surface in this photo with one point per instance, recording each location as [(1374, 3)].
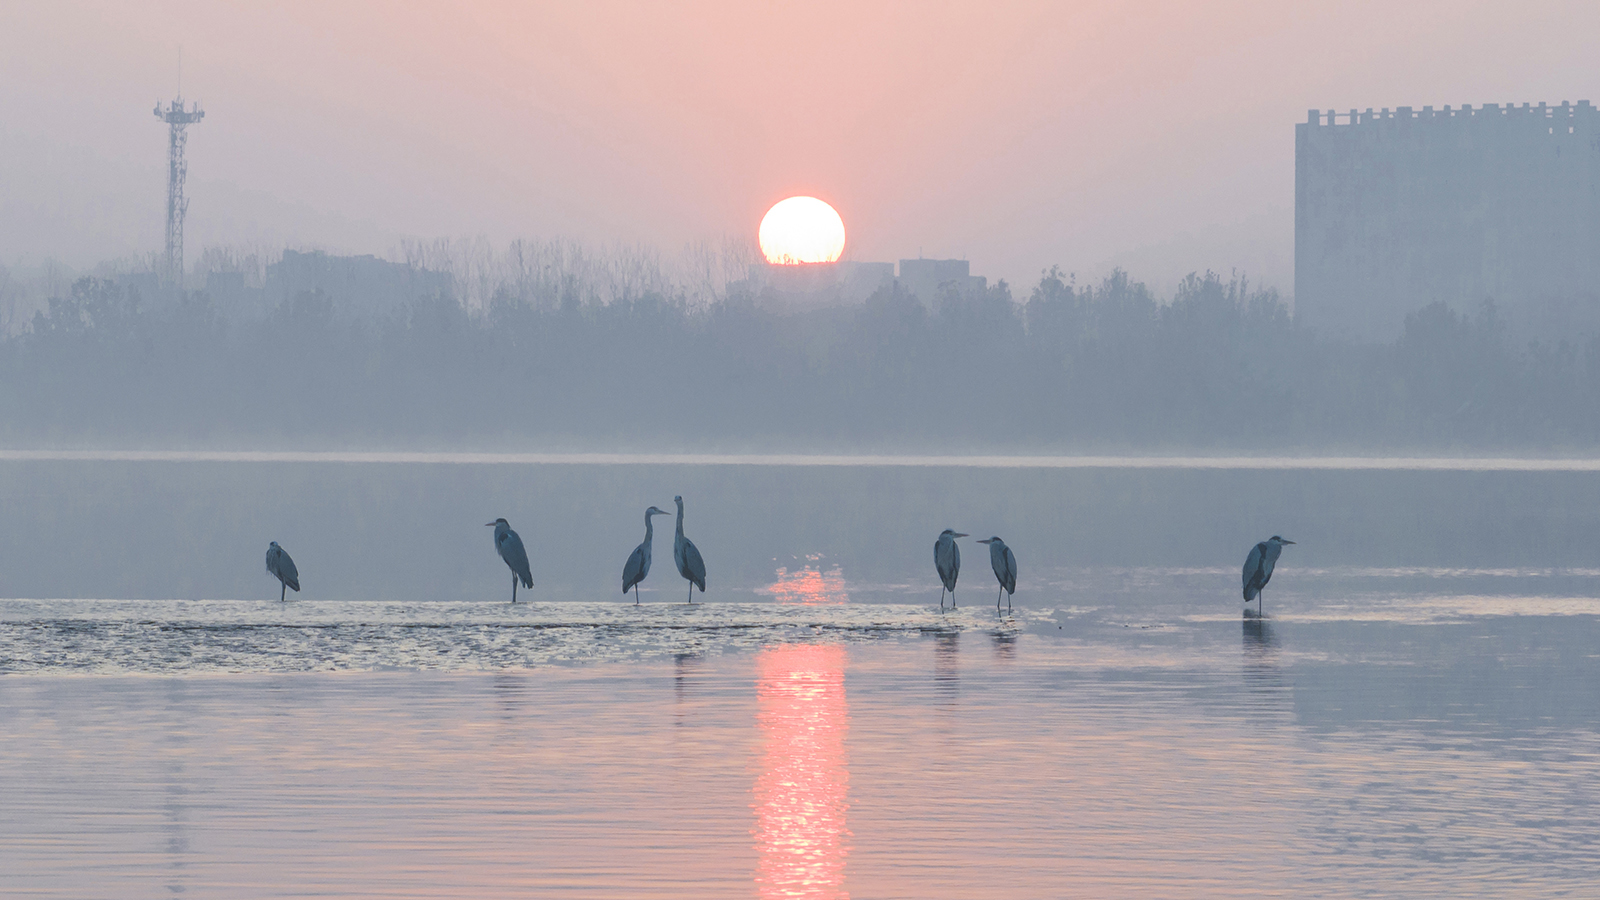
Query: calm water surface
[(1425, 723)]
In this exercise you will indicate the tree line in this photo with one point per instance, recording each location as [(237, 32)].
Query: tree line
[(1107, 367)]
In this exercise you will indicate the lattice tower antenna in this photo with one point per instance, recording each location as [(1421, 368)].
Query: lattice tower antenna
[(178, 119)]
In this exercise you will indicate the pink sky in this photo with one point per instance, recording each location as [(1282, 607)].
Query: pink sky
[(1158, 136)]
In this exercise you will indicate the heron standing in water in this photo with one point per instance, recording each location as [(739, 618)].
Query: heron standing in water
[(1004, 563), (1258, 568), (687, 556), (638, 565), (509, 545), (281, 567), (947, 559)]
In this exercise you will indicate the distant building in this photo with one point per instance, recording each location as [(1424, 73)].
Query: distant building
[(225, 284), (860, 280), (359, 285), (844, 281), (925, 278), (232, 291), (817, 285), (1395, 210), (153, 294)]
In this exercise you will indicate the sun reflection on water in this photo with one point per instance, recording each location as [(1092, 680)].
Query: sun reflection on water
[(809, 586), (802, 791)]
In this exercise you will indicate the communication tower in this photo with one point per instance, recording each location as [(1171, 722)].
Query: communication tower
[(178, 119)]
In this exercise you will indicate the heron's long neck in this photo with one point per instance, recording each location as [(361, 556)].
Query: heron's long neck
[(680, 520), (649, 530)]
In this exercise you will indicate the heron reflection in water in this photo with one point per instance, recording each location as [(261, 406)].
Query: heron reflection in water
[(1266, 688), (1005, 645), (1258, 636), (685, 675), (514, 695), (947, 665)]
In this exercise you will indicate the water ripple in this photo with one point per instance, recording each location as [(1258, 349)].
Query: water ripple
[(177, 636)]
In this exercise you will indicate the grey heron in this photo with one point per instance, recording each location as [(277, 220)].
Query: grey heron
[(947, 559), (1258, 568), (509, 545), (281, 567), (1004, 563), (638, 565), (687, 556)]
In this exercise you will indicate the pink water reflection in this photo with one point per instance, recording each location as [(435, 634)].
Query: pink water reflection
[(802, 792), (809, 586)]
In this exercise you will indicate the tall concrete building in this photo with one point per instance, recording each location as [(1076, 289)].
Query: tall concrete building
[(1397, 209)]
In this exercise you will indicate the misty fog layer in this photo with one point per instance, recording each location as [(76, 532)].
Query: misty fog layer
[(1218, 366), (415, 532)]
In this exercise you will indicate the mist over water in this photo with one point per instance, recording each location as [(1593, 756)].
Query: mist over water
[(412, 532)]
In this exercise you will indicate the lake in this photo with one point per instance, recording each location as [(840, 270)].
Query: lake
[(1418, 715)]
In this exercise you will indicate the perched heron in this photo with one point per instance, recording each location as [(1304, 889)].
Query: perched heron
[(281, 567), (639, 562), (1258, 568), (1005, 568), (511, 550), (947, 559), (687, 556)]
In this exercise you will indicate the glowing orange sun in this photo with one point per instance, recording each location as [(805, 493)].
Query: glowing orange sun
[(801, 230)]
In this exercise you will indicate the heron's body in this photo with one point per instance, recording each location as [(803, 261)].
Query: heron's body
[(281, 567), (687, 556), (1259, 564), (947, 559), (638, 565), (1004, 563), (509, 545)]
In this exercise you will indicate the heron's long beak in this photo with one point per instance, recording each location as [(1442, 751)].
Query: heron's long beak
[(1288, 542), (488, 524), (960, 535), (987, 541)]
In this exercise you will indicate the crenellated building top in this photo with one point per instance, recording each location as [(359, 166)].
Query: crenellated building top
[(1567, 114)]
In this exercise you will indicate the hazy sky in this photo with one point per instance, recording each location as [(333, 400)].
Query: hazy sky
[(1159, 136)]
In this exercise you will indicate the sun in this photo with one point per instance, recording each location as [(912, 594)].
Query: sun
[(801, 230)]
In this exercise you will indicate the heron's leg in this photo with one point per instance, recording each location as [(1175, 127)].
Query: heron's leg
[(636, 595), (952, 598), (691, 592), (997, 596), (1008, 602), (941, 598), (283, 591), (513, 587)]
